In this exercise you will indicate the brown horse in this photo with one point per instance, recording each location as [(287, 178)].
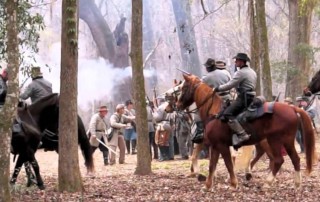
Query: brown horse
[(247, 158), (279, 129)]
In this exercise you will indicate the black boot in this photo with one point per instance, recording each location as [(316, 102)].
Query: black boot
[(197, 136), (241, 136), (134, 144), (128, 146), (106, 157), (155, 151)]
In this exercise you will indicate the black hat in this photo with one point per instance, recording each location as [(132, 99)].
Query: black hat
[(242, 56), (210, 62), (128, 102)]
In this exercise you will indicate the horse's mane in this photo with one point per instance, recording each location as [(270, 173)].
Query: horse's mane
[(42, 103)]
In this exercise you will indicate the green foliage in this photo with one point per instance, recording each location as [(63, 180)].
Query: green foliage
[(279, 70), (29, 25), (307, 51)]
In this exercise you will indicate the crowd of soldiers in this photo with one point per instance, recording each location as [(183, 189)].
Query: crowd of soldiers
[(164, 126)]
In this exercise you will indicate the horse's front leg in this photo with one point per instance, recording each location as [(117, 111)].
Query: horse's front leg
[(36, 170), (17, 168), (226, 155), (194, 159), (214, 156), (30, 176)]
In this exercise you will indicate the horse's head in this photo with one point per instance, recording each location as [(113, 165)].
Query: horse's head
[(314, 85), (187, 91)]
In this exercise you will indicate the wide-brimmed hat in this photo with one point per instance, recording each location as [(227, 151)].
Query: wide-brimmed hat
[(120, 106), (220, 64), (210, 62), (242, 56), (35, 72), (288, 100), (103, 108)]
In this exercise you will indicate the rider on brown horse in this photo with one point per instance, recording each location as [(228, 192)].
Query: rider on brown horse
[(244, 80)]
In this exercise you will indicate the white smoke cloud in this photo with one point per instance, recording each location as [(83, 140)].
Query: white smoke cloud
[(96, 77)]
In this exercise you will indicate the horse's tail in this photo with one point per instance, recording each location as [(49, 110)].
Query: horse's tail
[(308, 137), (85, 145)]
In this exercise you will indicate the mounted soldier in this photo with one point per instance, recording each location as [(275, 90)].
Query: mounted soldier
[(38, 88), (244, 80)]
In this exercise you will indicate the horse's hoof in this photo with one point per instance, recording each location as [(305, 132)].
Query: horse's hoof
[(192, 175), (204, 189), (41, 187), (248, 176), (202, 178)]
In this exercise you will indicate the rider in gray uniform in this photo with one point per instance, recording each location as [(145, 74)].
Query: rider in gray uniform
[(244, 80), (217, 75)]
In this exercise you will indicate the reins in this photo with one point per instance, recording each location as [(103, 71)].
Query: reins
[(204, 101)]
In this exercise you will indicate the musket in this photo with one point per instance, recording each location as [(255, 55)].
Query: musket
[(155, 101), (184, 71), (149, 103), (106, 146), (277, 98)]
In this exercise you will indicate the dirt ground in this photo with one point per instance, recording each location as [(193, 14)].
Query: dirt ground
[(169, 182)]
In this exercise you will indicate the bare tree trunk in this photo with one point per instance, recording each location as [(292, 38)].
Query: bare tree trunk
[(264, 50), (8, 112), (260, 47), (149, 44), (188, 44), (69, 172), (299, 37), (144, 157), (100, 30), (255, 45)]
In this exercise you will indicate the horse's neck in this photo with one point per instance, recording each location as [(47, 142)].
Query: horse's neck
[(207, 102)]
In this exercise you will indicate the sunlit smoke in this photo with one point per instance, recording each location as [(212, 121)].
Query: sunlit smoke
[(96, 77)]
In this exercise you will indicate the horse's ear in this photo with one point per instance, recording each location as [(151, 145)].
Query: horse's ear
[(186, 77)]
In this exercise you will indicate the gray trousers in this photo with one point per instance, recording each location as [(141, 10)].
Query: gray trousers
[(122, 148), (183, 140)]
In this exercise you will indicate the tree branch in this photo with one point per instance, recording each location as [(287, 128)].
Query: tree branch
[(151, 53), (206, 14)]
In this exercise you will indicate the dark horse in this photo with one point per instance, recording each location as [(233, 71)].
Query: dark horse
[(314, 85), (43, 116), (278, 128)]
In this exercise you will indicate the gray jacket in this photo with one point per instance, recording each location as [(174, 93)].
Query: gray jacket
[(217, 78), (244, 80), (37, 89)]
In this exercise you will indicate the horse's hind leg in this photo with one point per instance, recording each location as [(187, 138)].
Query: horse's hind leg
[(17, 168), (214, 157), (295, 159), (278, 160), (225, 152), (194, 159)]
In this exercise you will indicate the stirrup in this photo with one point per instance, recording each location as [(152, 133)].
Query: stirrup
[(237, 140)]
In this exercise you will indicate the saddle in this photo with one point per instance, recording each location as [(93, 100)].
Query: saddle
[(256, 109)]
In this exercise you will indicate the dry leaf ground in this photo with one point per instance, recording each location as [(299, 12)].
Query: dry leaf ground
[(169, 182)]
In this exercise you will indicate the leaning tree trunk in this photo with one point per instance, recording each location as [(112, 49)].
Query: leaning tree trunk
[(144, 156), (100, 30), (69, 172), (10, 107), (188, 44), (300, 13)]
